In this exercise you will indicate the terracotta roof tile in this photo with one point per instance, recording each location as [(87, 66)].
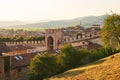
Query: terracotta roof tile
[(3, 47), (17, 61), (19, 47), (90, 46), (25, 60)]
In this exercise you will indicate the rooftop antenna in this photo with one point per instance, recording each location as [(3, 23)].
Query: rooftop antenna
[(111, 11), (80, 23), (106, 13)]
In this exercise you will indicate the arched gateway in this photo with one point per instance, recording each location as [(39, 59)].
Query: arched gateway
[(52, 37), (50, 42)]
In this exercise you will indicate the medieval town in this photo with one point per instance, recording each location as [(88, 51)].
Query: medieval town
[(59, 39), (20, 53)]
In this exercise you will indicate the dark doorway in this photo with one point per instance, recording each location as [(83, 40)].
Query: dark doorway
[(50, 43)]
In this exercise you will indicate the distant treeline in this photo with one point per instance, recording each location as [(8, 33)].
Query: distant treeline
[(33, 38)]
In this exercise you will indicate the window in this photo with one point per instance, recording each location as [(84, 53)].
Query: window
[(83, 42)]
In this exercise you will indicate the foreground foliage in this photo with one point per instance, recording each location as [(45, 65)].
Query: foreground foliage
[(72, 57), (104, 69), (46, 65), (110, 33), (42, 66)]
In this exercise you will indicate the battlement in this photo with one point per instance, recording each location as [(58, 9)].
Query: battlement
[(74, 39), (54, 37), (25, 43), (53, 30)]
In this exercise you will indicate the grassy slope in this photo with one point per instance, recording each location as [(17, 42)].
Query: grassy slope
[(103, 69)]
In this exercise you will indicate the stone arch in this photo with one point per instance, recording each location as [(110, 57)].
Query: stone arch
[(79, 35), (90, 35), (52, 37), (50, 42)]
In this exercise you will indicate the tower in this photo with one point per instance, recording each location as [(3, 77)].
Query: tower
[(80, 23), (52, 37), (4, 67), (1, 68)]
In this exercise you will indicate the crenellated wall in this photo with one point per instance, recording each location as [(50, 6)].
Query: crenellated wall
[(25, 43), (58, 39), (74, 39)]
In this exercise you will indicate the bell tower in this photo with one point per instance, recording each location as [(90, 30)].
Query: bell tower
[(52, 37)]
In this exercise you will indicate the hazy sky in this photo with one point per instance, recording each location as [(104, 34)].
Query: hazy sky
[(33, 10)]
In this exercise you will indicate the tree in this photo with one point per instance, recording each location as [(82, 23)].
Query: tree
[(5, 39), (42, 66), (20, 39), (35, 38), (71, 57), (110, 33)]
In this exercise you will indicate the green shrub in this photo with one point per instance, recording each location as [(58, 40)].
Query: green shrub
[(42, 66), (71, 57), (101, 53), (47, 65)]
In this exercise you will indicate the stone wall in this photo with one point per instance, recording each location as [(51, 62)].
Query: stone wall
[(56, 35), (74, 39), (19, 73), (25, 43)]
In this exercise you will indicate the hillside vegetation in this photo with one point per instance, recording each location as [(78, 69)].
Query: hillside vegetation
[(104, 69)]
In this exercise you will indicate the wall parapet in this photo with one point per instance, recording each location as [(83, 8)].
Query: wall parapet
[(25, 42)]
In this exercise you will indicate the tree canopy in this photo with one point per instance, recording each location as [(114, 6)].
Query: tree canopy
[(45, 65), (110, 33), (42, 66)]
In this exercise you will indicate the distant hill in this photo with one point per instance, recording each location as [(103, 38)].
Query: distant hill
[(11, 23), (85, 21), (104, 69)]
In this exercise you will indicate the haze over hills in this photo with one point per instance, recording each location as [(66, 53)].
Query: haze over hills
[(11, 23), (86, 21)]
